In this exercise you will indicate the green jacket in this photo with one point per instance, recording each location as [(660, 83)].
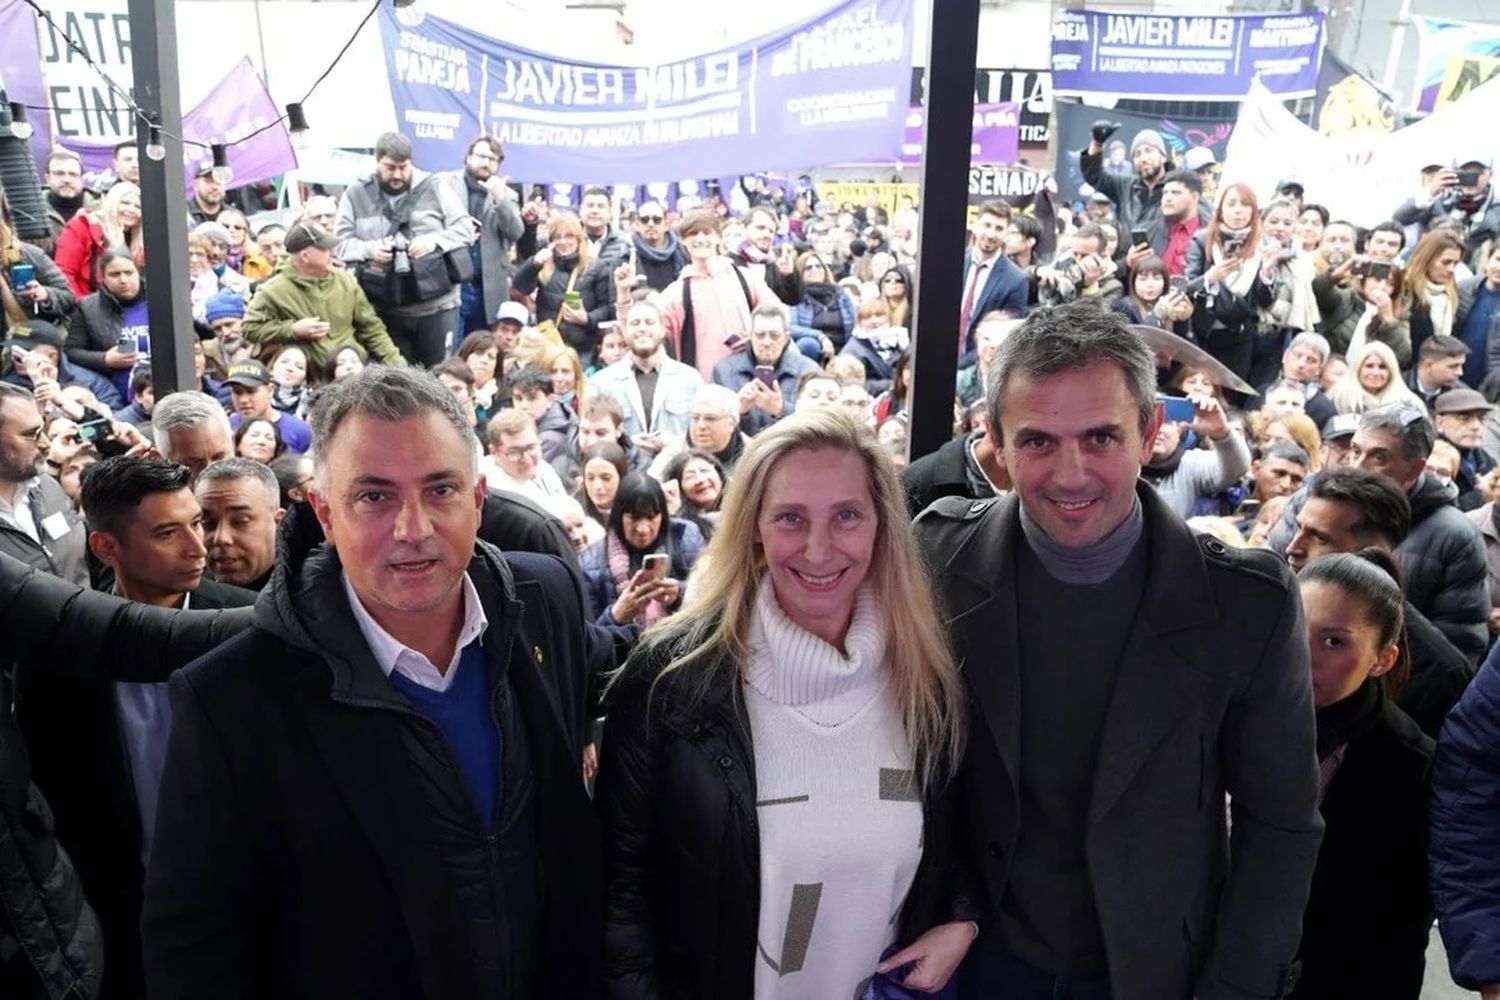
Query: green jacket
[(336, 299)]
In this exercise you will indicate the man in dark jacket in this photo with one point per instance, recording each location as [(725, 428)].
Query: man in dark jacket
[(1473, 204), (964, 467), (37, 523), (97, 748), (375, 790), (1347, 510), (1465, 827), (1137, 198), (658, 253), (1101, 757), (765, 374), (556, 423), (1443, 556), (492, 205), (1460, 416)]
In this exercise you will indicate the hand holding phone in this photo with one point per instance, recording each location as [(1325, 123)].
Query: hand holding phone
[(1177, 409), (767, 375), (654, 566)]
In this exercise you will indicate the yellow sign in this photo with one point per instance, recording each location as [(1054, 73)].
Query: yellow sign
[(1464, 74), (1354, 108), (860, 194)]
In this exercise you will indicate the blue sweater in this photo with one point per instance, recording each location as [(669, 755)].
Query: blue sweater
[(463, 714)]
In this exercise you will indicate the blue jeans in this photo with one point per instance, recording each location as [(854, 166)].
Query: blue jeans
[(471, 315), (988, 973)]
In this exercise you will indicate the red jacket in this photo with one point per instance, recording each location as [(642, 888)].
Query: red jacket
[(79, 246)]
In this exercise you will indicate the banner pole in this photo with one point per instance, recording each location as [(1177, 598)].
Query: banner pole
[(1398, 42)]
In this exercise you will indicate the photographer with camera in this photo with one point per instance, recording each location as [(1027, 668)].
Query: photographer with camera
[(1463, 194), (406, 237), (1361, 301)]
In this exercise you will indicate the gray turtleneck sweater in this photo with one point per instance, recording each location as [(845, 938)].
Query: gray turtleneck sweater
[(1074, 609)]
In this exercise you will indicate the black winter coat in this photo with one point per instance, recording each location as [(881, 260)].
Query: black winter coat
[(1443, 561), (676, 795), (315, 838), (94, 329), (595, 287), (1368, 914), (59, 302)]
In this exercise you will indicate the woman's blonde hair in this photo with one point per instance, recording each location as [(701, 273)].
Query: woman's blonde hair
[(566, 224), (550, 358), (713, 626), (1428, 249), (1348, 396), (1300, 426), (109, 217)]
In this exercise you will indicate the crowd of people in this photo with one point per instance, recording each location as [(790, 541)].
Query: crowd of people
[(574, 623)]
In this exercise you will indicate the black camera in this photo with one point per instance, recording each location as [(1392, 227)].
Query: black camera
[(1469, 178), (400, 261)]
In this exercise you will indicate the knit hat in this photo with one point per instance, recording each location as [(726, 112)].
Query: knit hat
[(1148, 137), (223, 305)]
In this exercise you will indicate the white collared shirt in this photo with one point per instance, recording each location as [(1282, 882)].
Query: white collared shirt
[(414, 666), (20, 516)]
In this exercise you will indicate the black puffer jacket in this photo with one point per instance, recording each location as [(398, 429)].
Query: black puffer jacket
[(1444, 565), (676, 795), (49, 938), (596, 291)]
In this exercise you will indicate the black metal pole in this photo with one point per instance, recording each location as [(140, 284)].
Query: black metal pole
[(951, 54), (153, 43)]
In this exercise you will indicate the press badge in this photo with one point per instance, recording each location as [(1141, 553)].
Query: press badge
[(56, 525)]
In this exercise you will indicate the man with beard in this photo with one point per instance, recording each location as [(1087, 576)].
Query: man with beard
[(1137, 198), (1177, 219), (757, 251), (397, 211), (609, 248), (654, 391), (65, 194), (37, 523), (492, 204), (208, 196), (991, 281), (1183, 474), (659, 254)]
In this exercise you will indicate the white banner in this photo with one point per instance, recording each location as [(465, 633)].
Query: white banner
[(1359, 178)]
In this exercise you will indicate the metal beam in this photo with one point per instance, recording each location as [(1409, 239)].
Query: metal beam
[(951, 55), (153, 43)]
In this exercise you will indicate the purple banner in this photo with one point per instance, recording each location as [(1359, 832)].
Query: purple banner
[(21, 73), (1194, 57), (238, 105), (836, 83), (997, 134)]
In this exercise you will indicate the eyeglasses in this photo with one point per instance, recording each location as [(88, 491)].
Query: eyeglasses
[(651, 218), (517, 454), (37, 434), (235, 226), (707, 418)]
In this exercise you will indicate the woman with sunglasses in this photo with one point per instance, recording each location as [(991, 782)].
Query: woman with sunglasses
[(824, 319)]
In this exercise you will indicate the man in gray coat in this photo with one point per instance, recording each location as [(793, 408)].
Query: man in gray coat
[(393, 229), (492, 205), (1127, 678)]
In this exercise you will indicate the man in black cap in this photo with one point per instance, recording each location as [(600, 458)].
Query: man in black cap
[(250, 388), (1459, 416), (39, 364), (316, 306), (208, 196), (1291, 190), (1336, 453)]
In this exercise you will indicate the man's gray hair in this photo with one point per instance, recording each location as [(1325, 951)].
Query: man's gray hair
[(228, 469), (720, 398), (1408, 422), (1315, 341), (389, 394), (1286, 451), (773, 310), (1052, 341), (186, 410)]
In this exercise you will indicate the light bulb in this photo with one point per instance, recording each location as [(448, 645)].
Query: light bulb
[(19, 126), (296, 124), (154, 149), (221, 171)]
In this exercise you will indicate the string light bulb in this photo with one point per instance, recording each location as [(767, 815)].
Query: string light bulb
[(19, 126), (154, 149), (296, 123), (221, 171)]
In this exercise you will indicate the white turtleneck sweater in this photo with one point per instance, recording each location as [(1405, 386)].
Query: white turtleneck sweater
[(839, 811)]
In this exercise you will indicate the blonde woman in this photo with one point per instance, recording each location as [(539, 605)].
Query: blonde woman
[(1431, 291), (244, 253), (115, 224), (568, 380), (571, 290), (1373, 379), (774, 784)]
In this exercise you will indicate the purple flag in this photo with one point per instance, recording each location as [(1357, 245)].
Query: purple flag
[(997, 134), (237, 105), (21, 73)]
